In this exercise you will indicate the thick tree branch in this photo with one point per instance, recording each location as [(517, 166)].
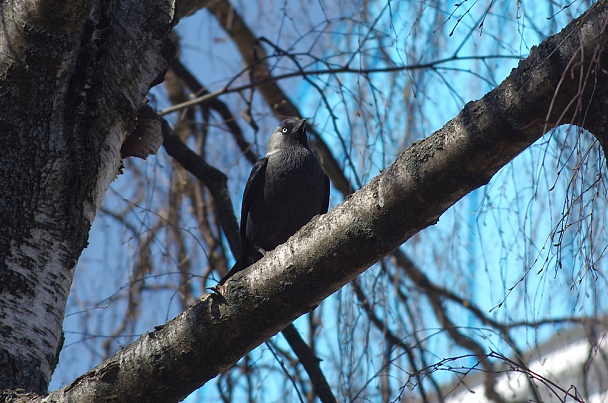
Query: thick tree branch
[(429, 177)]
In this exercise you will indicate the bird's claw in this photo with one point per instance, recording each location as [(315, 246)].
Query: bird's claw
[(214, 289)]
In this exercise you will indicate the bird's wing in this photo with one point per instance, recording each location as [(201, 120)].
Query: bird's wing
[(255, 178), (325, 204)]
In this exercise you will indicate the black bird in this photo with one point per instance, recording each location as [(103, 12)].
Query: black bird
[(285, 190)]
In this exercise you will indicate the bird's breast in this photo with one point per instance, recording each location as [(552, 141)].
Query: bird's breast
[(293, 193), (287, 173)]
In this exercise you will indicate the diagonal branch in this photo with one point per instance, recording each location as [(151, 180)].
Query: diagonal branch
[(333, 249), (310, 363), (212, 178)]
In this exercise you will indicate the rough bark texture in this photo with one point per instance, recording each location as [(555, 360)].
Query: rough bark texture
[(72, 76), (557, 84)]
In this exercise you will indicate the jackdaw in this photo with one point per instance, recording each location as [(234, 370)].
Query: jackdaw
[(285, 190)]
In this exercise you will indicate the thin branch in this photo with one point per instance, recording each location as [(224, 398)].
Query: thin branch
[(212, 178), (213, 103), (310, 362), (321, 72), (388, 335)]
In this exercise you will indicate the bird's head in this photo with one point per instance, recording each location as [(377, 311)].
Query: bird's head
[(290, 133)]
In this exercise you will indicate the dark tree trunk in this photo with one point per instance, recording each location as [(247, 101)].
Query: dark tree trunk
[(72, 76)]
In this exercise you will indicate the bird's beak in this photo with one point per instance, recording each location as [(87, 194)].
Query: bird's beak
[(301, 126)]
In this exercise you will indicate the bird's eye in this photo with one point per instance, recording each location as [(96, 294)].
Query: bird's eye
[(284, 130)]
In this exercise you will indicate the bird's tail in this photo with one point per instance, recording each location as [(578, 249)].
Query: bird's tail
[(238, 266)]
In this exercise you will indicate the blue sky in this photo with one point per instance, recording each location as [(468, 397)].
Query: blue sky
[(499, 237)]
